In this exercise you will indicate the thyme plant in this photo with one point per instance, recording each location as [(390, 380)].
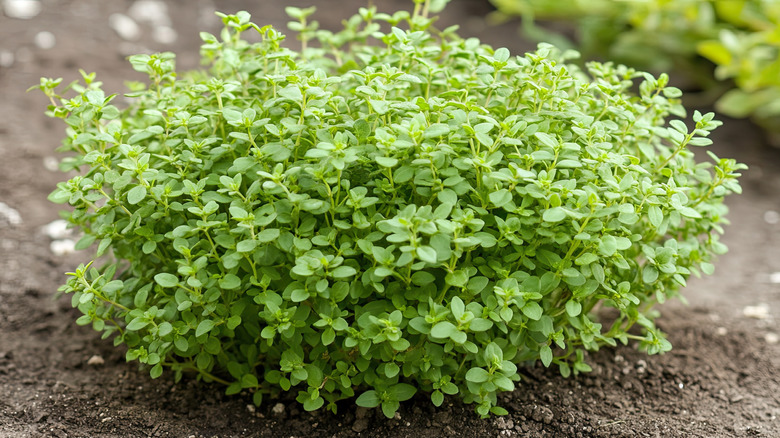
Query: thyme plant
[(392, 209)]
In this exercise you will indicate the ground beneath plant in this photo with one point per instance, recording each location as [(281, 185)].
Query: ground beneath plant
[(721, 379)]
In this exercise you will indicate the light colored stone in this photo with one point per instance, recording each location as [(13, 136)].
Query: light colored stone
[(96, 360), (124, 26), (7, 58), (721, 331), (278, 409), (22, 9), (774, 277), (760, 311), (9, 215), (150, 11), (164, 35), (57, 229), (62, 247), (51, 163), (45, 40), (771, 217), (772, 338)]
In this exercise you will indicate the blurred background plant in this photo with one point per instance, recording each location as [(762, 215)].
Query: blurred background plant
[(740, 37)]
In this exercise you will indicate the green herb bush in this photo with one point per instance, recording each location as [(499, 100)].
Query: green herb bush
[(739, 36), (385, 211)]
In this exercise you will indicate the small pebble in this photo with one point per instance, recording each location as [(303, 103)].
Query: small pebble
[(10, 215), (721, 331), (6, 58), (250, 408), (150, 11), (504, 423), (774, 277), (22, 9), (772, 338), (51, 163), (57, 229), (164, 35), (96, 360), (62, 247), (45, 40), (124, 26), (771, 217), (760, 311), (278, 409)]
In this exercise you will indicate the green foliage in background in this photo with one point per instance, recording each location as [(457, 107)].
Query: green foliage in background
[(741, 37), (384, 212)]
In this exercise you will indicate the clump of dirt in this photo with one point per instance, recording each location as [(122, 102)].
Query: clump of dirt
[(58, 379)]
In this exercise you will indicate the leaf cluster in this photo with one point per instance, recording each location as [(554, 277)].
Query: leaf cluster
[(739, 37), (391, 209)]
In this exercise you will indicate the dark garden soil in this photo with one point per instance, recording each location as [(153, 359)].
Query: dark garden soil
[(722, 379)]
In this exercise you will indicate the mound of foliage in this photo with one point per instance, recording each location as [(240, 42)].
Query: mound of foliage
[(383, 212), (740, 37)]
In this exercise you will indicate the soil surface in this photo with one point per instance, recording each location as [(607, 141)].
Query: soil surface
[(58, 379)]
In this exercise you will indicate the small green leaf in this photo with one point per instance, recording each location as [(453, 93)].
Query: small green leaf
[(458, 278), (443, 330), (137, 323), (343, 272), (573, 308), (380, 106), (230, 282), (501, 198), (204, 327), (402, 391), (555, 214), (586, 259), (166, 280), (233, 322), (436, 130), (164, 329), (427, 254), (368, 399), (437, 398), (477, 375), (655, 215), (533, 310), (181, 343), (390, 407), (136, 195), (546, 355), (267, 235), (649, 274), (299, 295), (546, 139), (386, 161), (501, 54), (246, 246), (156, 371)]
